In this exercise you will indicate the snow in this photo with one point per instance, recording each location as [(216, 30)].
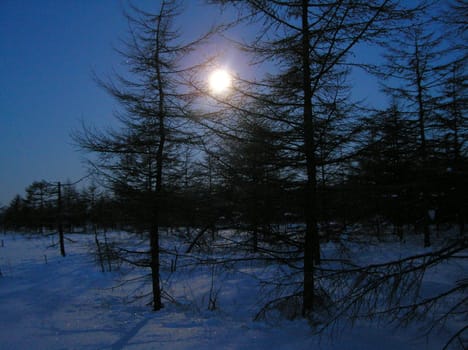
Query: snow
[(51, 302)]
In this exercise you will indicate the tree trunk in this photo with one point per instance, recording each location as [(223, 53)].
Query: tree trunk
[(60, 218), (154, 232), (154, 246), (427, 231), (422, 132), (311, 244)]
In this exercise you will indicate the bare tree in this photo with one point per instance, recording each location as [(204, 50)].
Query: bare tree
[(392, 291)]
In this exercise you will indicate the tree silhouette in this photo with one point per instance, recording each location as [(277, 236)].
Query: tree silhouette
[(140, 158)]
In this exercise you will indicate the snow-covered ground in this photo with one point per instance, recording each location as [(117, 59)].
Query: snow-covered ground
[(50, 302)]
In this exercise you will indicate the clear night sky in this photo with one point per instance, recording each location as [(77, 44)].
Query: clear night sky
[(48, 51)]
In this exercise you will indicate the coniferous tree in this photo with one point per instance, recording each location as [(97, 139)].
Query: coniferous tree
[(451, 126), (16, 214), (248, 166), (308, 42), (386, 167), (38, 197), (140, 159), (414, 69)]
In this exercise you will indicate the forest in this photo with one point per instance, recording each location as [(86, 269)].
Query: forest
[(284, 163)]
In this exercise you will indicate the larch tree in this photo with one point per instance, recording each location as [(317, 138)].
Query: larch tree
[(413, 71), (37, 197), (248, 165), (452, 121), (386, 168), (139, 159), (309, 43)]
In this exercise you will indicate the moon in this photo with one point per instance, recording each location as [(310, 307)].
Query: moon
[(220, 81)]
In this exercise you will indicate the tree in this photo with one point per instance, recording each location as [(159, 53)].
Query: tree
[(413, 71), (248, 165), (139, 159), (451, 125), (74, 207), (38, 195), (16, 214), (455, 18), (386, 167), (308, 43), (391, 291)]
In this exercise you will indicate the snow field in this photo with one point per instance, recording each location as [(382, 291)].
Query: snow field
[(51, 302)]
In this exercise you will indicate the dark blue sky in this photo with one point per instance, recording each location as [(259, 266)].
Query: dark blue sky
[(48, 51)]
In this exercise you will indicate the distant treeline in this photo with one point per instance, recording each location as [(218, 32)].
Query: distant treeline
[(378, 192)]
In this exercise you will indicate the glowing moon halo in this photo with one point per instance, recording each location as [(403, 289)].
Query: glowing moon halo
[(220, 81)]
